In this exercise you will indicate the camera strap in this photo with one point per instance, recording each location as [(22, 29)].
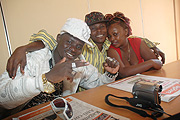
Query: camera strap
[(136, 102)]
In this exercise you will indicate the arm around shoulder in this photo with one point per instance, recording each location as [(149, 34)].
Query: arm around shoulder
[(38, 41), (19, 57), (23, 87)]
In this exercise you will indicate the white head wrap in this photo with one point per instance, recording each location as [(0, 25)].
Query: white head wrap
[(78, 29)]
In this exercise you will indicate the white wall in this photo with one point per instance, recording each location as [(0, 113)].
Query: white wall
[(24, 17)]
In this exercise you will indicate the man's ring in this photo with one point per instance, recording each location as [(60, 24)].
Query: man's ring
[(73, 73), (114, 61), (73, 65)]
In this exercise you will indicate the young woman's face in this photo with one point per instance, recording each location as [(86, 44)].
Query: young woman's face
[(117, 34), (98, 32)]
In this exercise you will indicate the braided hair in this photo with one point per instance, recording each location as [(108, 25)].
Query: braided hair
[(119, 17)]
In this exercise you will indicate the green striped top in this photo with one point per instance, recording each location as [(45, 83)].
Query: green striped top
[(46, 38), (94, 56)]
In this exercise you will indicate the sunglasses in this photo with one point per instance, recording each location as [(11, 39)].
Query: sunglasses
[(62, 108)]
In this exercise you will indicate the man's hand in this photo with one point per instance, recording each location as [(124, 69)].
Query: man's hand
[(17, 58), (111, 65), (158, 53), (63, 69)]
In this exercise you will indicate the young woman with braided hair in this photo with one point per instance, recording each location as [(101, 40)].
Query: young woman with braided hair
[(133, 54)]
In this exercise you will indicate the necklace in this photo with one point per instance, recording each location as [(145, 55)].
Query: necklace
[(128, 57), (129, 54)]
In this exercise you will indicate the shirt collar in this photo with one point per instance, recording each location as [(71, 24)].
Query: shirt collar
[(106, 44)]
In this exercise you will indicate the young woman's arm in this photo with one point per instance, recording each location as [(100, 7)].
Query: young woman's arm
[(125, 71)]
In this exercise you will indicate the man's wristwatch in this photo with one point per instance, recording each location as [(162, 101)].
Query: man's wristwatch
[(48, 86)]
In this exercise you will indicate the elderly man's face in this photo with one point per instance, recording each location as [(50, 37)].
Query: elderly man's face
[(69, 47)]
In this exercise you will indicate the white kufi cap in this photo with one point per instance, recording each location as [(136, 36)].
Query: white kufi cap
[(78, 29)]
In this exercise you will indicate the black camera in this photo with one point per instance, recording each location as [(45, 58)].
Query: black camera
[(146, 95), (147, 91)]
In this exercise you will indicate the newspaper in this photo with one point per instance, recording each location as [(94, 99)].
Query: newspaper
[(85, 111), (38, 114), (171, 87), (81, 111)]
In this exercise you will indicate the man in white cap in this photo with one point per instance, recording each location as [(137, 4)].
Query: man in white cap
[(45, 70)]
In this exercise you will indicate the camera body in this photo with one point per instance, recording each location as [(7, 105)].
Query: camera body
[(147, 91)]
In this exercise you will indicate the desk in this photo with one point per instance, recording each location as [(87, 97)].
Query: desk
[(96, 95)]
